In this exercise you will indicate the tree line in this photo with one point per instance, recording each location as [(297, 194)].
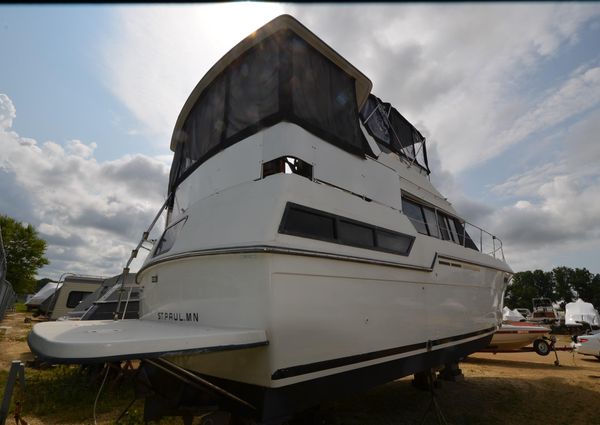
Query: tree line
[(562, 285)]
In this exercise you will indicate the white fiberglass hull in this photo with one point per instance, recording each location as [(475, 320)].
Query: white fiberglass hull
[(325, 316)]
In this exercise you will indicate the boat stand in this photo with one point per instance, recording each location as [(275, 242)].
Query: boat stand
[(17, 370), (169, 390)]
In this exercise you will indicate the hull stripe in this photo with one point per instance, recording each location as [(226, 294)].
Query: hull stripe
[(289, 372)]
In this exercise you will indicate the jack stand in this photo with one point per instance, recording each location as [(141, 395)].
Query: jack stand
[(451, 372), (16, 368), (424, 380)]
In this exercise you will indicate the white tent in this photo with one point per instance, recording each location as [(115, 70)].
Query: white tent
[(580, 311)]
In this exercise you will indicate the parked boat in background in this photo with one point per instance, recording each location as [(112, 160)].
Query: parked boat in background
[(581, 314), (42, 300), (516, 335), (544, 312), (114, 298)]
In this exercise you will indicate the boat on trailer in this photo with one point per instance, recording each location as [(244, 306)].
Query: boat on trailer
[(516, 335), (306, 253)]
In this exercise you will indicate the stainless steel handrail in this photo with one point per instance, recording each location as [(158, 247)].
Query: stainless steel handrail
[(496, 251)]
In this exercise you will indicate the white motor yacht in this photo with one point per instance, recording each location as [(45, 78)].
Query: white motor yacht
[(306, 252)]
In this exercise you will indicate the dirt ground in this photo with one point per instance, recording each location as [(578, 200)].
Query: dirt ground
[(503, 388)]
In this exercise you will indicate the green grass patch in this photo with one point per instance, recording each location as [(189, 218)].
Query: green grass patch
[(66, 394), (20, 308)]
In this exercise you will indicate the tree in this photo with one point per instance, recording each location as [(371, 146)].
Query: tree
[(24, 253), (521, 290), (562, 284)]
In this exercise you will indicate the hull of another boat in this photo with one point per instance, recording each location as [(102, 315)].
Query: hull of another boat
[(517, 335)]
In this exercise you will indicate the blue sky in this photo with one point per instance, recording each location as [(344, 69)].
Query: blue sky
[(56, 77), (508, 96)]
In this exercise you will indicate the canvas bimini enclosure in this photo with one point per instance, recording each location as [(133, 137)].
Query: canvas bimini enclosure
[(306, 253)]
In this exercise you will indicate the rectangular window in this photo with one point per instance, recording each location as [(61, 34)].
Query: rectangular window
[(464, 237), (415, 214), (307, 222), (75, 297), (431, 220), (453, 232), (355, 234), (444, 231), (168, 237), (394, 242)]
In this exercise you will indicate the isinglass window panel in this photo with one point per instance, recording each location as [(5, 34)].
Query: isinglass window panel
[(282, 78), (253, 91), (168, 237), (323, 97)]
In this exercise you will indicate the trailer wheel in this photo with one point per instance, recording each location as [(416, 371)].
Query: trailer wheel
[(541, 347)]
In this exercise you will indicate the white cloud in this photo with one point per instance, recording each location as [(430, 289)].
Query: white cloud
[(78, 148), (7, 112), (91, 213), (456, 71), (559, 201)]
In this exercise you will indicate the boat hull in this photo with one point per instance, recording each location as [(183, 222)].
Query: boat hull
[(516, 336), (324, 316)]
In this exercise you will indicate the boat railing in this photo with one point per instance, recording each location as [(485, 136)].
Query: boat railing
[(488, 244), (469, 235), (134, 253)]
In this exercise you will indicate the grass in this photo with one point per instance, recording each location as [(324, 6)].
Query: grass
[(66, 394), (20, 308)]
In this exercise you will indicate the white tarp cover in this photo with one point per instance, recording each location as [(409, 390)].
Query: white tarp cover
[(580, 311), (511, 315)]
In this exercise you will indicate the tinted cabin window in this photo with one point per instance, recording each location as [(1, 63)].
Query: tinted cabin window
[(307, 222), (431, 220), (415, 214), (444, 231), (354, 234), (75, 297), (168, 238), (393, 242), (453, 232), (437, 224)]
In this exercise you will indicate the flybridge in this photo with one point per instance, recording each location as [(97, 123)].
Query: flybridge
[(393, 132), (285, 73)]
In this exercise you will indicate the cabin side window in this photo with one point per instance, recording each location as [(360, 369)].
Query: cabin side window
[(307, 222), (168, 237), (428, 221)]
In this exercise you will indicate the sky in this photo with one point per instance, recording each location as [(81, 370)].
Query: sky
[(507, 95)]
